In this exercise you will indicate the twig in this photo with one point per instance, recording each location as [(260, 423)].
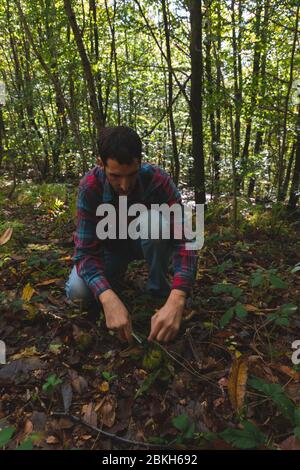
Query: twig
[(61, 414)]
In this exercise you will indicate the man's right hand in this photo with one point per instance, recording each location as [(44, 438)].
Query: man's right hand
[(116, 315)]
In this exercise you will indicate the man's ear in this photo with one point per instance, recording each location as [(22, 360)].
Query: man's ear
[(100, 163)]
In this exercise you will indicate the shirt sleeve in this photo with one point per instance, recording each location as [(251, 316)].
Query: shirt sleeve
[(184, 261), (88, 255)]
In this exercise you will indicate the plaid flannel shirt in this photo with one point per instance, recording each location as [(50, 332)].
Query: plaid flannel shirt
[(154, 186)]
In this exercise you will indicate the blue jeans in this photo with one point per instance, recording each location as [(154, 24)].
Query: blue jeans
[(156, 252)]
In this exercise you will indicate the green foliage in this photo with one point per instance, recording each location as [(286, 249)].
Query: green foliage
[(108, 376), (266, 279), (51, 383), (283, 315), (276, 393), (229, 289), (185, 426), (5, 436), (238, 309), (249, 437)]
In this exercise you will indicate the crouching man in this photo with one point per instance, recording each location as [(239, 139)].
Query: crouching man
[(101, 262)]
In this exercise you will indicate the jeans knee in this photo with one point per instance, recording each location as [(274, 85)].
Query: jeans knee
[(76, 289)]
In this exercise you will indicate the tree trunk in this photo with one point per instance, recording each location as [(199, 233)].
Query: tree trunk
[(295, 186), (254, 84), (196, 99), (280, 195), (97, 118), (170, 94)]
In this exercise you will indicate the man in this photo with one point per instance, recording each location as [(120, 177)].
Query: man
[(99, 263)]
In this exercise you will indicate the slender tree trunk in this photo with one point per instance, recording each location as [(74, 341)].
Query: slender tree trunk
[(259, 133), (170, 94), (114, 51), (211, 93), (56, 84), (86, 65), (295, 186), (196, 99), (237, 91), (280, 195), (2, 136), (254, 84)]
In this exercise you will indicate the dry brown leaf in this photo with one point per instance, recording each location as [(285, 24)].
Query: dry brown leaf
[(291, 443), (293, 374), (78, 382), (237, 383), (48, 281), (52, 440), (6, 236), (90, 416), (107, 411), (250, 308)]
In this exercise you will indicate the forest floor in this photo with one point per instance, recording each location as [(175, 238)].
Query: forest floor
[(227, 381)]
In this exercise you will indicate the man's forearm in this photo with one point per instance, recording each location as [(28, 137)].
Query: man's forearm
[(107, 296), (177, 296)]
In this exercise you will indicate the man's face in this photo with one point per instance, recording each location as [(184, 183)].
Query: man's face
[(121, 177)]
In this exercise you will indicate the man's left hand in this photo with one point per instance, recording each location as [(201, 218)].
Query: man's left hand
[(165, 322)]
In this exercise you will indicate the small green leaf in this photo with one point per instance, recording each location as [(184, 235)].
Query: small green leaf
[(226, 317), (6, 435), (181, 422), (277, 281), (240, 311), (247, 438)]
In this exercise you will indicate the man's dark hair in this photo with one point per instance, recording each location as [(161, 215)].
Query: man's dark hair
[(121, 143)]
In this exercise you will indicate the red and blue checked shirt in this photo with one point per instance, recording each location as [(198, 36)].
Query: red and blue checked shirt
[(154, 186)]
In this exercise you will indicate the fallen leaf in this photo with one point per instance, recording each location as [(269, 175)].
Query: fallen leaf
[(31, 310), (291, 443), (78, 383), (28, 352), (237, 383), (6, 236), (250, 308), (48, 281), (13, 371), (90, 416), (107, 411), (104, 387), (67, 395), (52, 440), (27, 293), (293, 374)]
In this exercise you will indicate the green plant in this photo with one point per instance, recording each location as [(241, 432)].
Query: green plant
[(5, 436), (249, 437), (276, 393), (185, 426), (51, 383), (238, 309), (108, 376), (265, 279), (283, 315)]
